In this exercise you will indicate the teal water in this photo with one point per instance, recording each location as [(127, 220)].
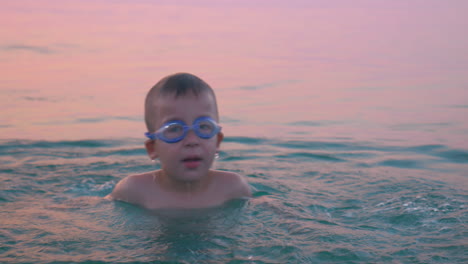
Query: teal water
[(322, 201)]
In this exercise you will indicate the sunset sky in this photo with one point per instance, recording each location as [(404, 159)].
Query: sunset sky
[(82, 68)]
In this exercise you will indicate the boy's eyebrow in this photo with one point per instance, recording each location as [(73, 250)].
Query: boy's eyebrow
[(165, 121), (180, 119), (172, 120)]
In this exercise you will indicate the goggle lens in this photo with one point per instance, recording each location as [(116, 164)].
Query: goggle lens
[(172, 131)]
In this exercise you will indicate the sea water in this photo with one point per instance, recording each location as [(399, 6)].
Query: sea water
[(348, 120), (314, 201)]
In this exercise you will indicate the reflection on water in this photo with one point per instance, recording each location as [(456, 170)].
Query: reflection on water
[(368, 71)]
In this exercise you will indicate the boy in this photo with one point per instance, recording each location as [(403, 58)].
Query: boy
[(181, 116)]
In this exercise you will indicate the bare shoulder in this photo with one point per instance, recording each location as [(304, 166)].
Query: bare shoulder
[(234, 184), (132, 188)]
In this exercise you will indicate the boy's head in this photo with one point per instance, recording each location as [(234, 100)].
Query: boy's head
[(174, 86), (176, 102)]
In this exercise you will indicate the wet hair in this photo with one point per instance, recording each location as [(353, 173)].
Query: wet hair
[(177, 85)]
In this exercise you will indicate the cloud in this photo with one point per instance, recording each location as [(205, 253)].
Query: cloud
[(267, 85), (35, 49)]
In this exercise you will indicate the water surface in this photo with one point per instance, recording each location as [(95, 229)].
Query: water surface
[(315, 201)]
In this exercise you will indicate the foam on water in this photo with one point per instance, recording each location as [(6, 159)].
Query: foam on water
[(314, 201)]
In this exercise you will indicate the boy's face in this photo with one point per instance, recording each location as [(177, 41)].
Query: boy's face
[(191, 158)]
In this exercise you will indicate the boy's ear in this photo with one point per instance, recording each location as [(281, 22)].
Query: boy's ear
[(219, 138), (150, 146)]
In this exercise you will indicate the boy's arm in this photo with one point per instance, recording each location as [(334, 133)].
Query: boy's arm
[(125, 191), (240, 188), (244, 188)]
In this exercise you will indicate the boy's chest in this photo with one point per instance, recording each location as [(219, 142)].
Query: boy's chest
[(210, 198)]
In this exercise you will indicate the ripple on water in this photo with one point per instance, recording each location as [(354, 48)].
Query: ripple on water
[(456, 156), (245, 140), (401, 163), (310, 156), (312, 203)]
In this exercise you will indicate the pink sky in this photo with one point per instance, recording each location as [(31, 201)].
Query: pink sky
[(374, 64)]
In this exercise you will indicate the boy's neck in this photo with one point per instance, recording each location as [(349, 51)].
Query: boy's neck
[(181, 187)]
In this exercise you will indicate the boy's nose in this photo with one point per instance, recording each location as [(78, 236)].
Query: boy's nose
[(191, 138)]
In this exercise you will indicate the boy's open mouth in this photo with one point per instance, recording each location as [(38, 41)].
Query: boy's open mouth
[(190, 159), (192, 162)]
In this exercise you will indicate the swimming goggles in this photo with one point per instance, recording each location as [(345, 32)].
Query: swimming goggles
[(174, 131)]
